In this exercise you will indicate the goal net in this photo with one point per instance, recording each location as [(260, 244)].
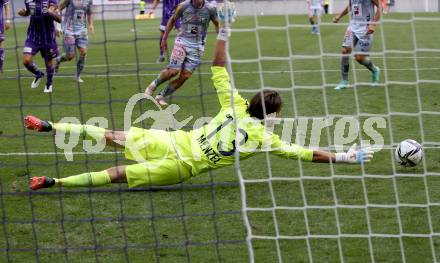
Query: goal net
[(263, 209)]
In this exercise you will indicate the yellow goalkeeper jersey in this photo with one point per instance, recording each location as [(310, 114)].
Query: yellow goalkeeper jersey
[(216, 144)]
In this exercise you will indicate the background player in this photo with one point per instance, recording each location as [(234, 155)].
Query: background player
[(326, 5), (168, 7), (359, 35), (74, 26), (5, 24), (188, 47), (315, 11), (169, 157), (41, 37)]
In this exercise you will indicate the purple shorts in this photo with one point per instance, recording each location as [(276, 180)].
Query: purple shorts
[(166, 15), (48, 51)]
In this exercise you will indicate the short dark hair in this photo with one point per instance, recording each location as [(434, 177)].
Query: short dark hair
[(272, 103)]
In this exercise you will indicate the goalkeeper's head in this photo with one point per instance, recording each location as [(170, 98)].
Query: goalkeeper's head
[(264, 103)]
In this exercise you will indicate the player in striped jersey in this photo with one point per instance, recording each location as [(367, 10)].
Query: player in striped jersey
[(359, 36), (189, 45)]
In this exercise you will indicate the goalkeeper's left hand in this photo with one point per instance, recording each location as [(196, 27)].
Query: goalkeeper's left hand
[(357, 156), (226, 13)]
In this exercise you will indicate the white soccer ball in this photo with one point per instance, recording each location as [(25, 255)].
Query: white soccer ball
[(408, 153)]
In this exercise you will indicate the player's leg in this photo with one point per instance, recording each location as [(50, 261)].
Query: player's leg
[(49, 53), (184, 75), (173, 68), (2, 50), (362, 48), (69, 51), (82, 43), (345, 59), (115, 174), (312, 20), (163, 24), (318, 18), (162, 53), (190, 63), (112, 138), (29, 51)]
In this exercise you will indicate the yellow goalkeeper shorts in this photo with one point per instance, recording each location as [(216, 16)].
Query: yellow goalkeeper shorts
[(156, 154)]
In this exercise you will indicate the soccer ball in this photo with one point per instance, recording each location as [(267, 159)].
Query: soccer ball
[(408, 153)]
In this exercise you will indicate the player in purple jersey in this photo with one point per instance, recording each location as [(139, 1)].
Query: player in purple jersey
[(5, 24), (41, 37), (189, 45), (168, 8)]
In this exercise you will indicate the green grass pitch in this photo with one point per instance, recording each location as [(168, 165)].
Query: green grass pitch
[(202, 221)]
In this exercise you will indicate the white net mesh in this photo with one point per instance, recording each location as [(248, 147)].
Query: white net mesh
[(378, 212)]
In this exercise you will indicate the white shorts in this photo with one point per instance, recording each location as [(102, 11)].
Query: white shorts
[(315, 11), (359, 43)]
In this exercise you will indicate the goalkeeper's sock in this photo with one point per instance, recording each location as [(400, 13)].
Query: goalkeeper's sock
[(85, 179), (80, 65), (2, 58), (345, 67), (91, 131), (366, 62), (167, 91)]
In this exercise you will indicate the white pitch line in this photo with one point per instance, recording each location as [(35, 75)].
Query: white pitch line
[(237, 72), (160, 65)]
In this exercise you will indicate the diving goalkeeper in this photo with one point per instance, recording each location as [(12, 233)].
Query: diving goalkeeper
[(171, 157)]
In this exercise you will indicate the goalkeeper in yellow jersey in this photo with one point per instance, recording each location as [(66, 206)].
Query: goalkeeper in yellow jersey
[(171, 157)]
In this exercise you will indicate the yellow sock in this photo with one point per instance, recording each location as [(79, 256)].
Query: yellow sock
[(91, 131), (85, 179)]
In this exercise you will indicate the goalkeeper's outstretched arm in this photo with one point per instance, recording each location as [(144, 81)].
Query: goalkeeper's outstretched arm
[(220, 51)]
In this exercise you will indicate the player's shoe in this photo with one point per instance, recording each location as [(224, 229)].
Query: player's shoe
[(79, 79), (161, 100), (48, 89), (375, 77), (342, 85), (36, 183), (36, 81), (34, 123), (160, 59)]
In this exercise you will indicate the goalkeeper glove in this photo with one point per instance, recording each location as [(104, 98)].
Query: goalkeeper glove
[(362, 155), (226, 13)]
